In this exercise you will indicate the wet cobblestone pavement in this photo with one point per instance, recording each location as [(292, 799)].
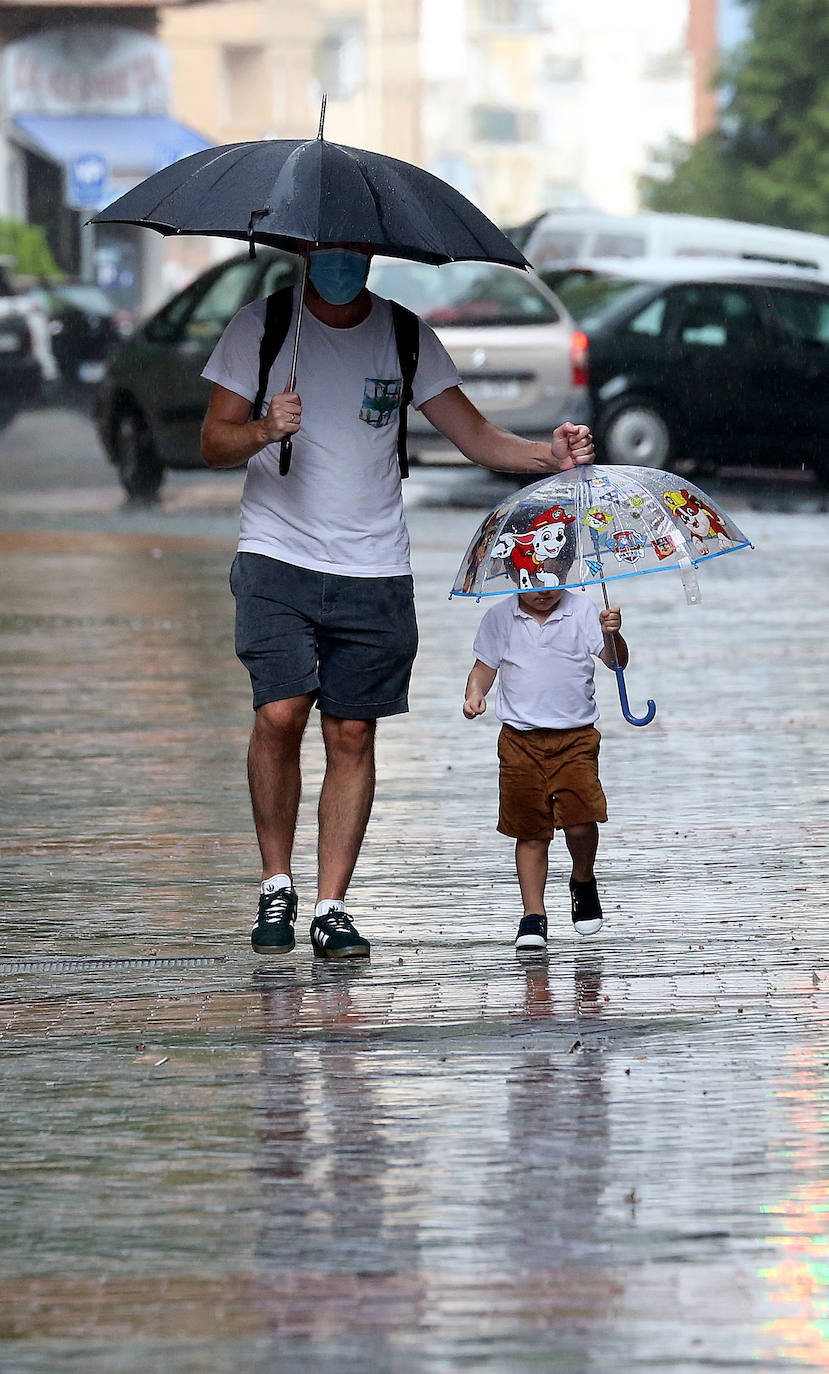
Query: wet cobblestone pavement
[(614, 1156)]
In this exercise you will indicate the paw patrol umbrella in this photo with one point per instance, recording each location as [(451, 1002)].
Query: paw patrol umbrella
[(593, 525)]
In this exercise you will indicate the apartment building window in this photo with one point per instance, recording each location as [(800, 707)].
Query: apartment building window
[(244, 82), (522, 15), (561, 69), (504, 124)]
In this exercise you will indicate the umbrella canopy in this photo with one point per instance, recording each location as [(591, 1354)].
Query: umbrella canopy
[(288, 193), (591, 525)]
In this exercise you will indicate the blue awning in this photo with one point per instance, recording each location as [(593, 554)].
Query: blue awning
[(122, 148)]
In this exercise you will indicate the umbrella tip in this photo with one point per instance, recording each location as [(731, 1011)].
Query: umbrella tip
[(322, 115)]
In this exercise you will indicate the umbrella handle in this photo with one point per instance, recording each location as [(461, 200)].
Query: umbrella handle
[(285, 447), (623, 698)]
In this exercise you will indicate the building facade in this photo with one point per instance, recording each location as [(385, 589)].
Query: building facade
[(542, 104), (86, 97), (523, 105)]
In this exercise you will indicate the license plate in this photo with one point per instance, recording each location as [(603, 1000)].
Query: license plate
[(90, 372), (483, 389)]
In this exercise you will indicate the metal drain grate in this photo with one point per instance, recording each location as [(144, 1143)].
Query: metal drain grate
[(56, 964)]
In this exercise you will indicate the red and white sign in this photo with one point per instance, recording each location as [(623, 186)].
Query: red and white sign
[(87, 69)]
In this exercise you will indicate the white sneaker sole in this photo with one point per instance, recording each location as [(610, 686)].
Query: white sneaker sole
[(588, 927), (530, 942)]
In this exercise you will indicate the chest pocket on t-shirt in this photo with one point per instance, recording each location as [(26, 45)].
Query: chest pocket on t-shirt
[(381, 400)]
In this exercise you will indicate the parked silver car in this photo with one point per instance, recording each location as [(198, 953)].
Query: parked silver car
[(508, 335)]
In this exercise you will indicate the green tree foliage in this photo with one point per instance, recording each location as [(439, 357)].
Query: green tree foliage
[(26, 249), (769, 160)]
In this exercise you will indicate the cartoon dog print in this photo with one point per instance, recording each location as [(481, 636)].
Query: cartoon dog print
[(527, 553), (701, 521)]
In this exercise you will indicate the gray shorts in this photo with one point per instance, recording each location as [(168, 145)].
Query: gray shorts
[(351, 641)]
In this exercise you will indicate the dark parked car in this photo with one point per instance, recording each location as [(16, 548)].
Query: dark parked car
[(24, 352), (85, 326), (152, 400), (507, 333), (698, 363)]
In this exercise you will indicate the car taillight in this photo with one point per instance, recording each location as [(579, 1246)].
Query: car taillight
[(579, 358)]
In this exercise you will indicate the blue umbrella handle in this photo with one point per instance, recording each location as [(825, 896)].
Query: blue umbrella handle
[(623, 698)]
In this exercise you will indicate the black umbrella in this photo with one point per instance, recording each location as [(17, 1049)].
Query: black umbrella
[(291, 194), (288, 193)]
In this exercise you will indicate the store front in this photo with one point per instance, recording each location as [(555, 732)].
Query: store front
[(87, 107)]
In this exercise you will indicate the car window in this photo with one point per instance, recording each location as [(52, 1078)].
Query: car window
[(166, 326), (91, 299), (804, 315), (619, 246), (219, 303), (716, 317), (650, 320), (463, 293), (558, 246), (277, 274), (588, 295)]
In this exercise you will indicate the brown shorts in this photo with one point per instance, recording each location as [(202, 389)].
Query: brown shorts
[(549, 780)]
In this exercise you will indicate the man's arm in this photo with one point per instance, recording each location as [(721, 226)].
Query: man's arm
[(487, 444), (229, 438)]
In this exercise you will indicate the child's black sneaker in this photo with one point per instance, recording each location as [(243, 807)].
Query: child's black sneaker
[(532, 932), (587, 911), (334, 936), (274, 929)]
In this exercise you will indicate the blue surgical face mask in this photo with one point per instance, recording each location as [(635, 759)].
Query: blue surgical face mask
[(339, 274)]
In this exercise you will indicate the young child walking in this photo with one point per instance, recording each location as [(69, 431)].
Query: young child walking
[(542, 644)]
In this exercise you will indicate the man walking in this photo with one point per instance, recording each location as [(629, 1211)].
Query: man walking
[(322, 580)]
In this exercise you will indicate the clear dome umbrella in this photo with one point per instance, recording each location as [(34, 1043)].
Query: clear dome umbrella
[(592, 525)]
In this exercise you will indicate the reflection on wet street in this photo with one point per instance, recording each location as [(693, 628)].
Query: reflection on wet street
[(612, 1157)]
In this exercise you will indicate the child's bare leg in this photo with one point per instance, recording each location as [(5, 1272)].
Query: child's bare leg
[(531, 861), (582, 841)]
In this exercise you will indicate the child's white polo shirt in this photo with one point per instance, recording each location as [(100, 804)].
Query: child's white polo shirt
[(545, 671)]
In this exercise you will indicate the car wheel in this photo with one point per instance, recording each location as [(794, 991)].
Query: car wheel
[(634, 432), (135, 458)]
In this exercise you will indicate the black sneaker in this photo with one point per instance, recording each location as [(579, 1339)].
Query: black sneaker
[(334, 937), (274, 929), (532, 933), (587, 911)]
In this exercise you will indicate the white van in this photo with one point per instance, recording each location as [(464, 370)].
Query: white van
[(565, 236)]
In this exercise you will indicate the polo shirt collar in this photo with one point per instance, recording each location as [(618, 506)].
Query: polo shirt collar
[(561, 610)]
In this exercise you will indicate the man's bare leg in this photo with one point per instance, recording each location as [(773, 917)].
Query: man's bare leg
[(345, 801), (275, 779)]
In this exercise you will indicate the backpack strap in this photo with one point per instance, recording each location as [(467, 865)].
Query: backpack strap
[(278, 311), (407, 338)]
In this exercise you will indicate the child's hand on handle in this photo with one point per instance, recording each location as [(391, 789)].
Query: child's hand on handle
[(611, 620)]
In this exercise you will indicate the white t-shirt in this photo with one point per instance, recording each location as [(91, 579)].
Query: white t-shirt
[(545, 671), (339, 508)]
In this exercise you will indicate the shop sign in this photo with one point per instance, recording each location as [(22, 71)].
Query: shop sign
[(87, 69), (87, 181)]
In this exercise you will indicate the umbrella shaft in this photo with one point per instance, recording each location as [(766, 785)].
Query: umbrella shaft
[(611, 636), (292, 379)]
